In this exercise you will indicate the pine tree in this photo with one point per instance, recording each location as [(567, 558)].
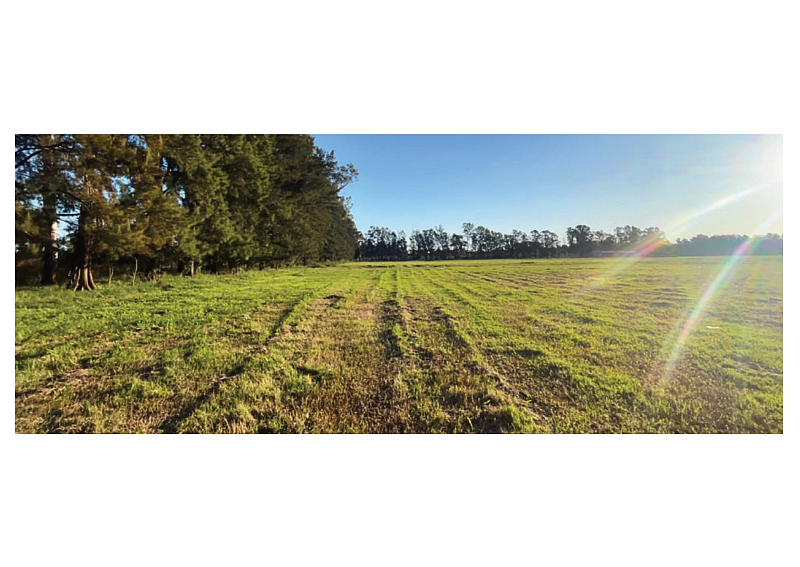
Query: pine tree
[(222, 201)]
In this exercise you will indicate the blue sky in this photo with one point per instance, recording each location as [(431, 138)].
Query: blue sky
[(685, 185)]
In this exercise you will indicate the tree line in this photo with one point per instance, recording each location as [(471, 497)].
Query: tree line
[(479, 242), (155, 203), (152, 203)]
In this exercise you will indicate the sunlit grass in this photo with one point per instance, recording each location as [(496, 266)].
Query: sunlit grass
[(474, 346)]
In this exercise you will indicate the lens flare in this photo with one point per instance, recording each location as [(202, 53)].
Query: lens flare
[(623, 260), (630, 256), (691, 219), (711, 290)]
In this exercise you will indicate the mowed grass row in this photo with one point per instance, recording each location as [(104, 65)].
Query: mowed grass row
[(480, 346)]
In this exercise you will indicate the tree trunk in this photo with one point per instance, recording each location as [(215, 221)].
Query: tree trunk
[(49, 203), (50, 256), (191, 268), (110, 273), (135, 269), (83, 256)]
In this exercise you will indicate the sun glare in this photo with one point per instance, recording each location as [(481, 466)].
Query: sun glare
[(727, 269), (770, 164)]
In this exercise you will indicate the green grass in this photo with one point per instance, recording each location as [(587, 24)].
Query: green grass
[(562, 346)]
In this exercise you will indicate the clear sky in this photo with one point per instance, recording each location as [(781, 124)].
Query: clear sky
[(686, 185)]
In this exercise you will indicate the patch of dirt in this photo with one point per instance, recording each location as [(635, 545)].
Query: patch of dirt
[(48, 387)]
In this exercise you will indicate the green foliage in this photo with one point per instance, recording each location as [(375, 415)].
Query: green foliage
[(225, 202)]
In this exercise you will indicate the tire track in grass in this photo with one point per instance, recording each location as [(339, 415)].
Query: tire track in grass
[(497, 279), (417, 369), (353, 348), (245, 340), (352, 366), (455, 376), (141, 385), (529, 377), (617, 390), (268, 325), (328, 373), (149, 385), (401, 347), (346, 347), (142, 337), (580, 392), (254, 353)]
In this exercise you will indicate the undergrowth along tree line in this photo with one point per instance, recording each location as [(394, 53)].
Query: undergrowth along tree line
[(175, 202)]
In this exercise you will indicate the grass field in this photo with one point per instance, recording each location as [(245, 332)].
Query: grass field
[(558, 346)]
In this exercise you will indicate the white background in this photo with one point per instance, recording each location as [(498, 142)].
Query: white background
[(410, 67)]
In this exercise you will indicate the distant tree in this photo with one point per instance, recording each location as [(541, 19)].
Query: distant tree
[(549, 242), (580, 240), (771, 243), (482, 241), (469, 236), (424, 243), (458, 245), (401, 246), (724, 245), (515, 243), (442, 242), (431, 245), (536, 243), (413, 245), (585, 238), (603, 240)]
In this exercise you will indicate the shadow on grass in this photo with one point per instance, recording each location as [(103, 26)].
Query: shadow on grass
[(172, 423)]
